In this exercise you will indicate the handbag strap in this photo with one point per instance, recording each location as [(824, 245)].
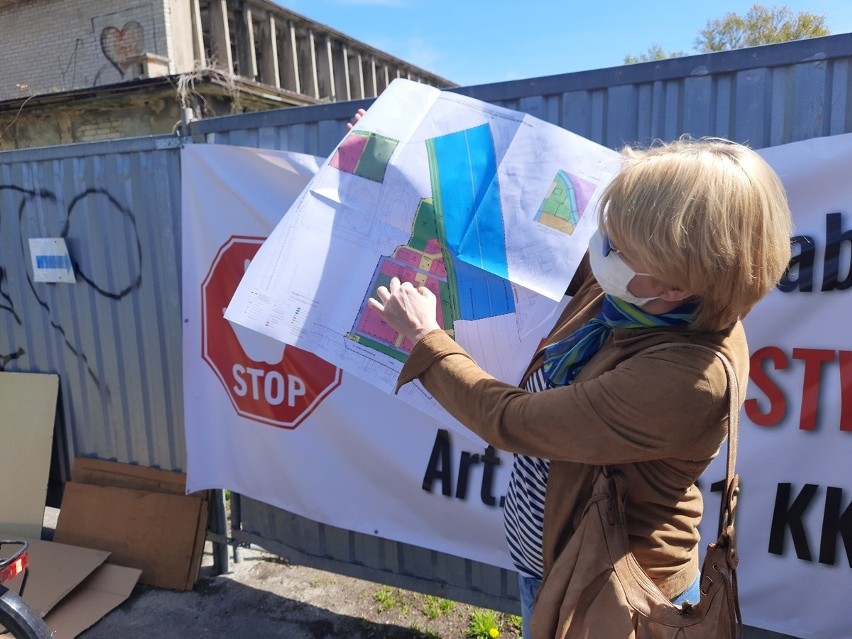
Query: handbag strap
[(732, 482)]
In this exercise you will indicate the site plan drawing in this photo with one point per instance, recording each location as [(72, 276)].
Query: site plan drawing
[(489, 208)]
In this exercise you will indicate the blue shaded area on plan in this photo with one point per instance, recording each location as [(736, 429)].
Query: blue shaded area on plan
[(482, 294), (467, 201)]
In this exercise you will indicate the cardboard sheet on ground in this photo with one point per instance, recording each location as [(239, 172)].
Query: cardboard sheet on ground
[(55, 570), (489, 208), (140, 515), (104, 590), (28, 410), (72, 587)]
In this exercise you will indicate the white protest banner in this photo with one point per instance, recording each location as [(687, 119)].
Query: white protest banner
[(795, 517), (408, 478), (284, 427)]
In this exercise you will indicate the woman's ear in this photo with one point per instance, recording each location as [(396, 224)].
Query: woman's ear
[(675, 294)]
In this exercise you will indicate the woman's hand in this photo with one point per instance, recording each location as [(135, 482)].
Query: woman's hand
[(411, 311), (358, 115)]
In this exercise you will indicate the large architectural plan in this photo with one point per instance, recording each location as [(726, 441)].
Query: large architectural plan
[(489, 208)]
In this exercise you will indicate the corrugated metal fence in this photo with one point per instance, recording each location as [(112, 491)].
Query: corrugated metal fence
[(114, 338), (762, 96)]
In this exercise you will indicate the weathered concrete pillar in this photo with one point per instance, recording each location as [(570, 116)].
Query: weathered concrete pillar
[(325, 68), (356, 76), (198, 54), (288, 59), (340, 68), (383, 78), (306, 52), (269, 52), (373, 89), (246, 58), (220, 37)]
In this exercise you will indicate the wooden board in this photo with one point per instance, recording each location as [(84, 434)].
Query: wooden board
[(27, 416)]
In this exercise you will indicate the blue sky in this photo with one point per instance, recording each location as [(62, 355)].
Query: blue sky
[(481, 41)]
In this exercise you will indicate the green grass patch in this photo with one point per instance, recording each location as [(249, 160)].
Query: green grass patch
[(387, 598), (435, 607), (483, 624)]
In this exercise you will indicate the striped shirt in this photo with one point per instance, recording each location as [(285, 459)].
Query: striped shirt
[(523, 513)]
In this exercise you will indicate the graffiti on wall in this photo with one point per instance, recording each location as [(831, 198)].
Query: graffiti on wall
[(96, 227), (122, 48)]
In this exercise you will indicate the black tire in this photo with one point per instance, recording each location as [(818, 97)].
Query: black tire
[(19, 620)]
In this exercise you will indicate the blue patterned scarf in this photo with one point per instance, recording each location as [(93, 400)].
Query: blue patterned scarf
[(564, 359)]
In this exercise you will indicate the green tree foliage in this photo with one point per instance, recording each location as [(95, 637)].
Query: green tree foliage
[(655, 52), (760, 25)]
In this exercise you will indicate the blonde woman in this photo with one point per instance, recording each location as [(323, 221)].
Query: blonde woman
[(690, 236)]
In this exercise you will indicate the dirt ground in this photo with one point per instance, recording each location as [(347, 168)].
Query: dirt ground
[(265, 597)]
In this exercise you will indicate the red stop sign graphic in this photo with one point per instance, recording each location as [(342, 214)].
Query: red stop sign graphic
[(279, 392)]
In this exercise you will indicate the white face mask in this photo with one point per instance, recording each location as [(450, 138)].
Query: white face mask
[(611, 271)]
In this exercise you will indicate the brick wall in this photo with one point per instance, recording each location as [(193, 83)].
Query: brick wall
[(62, 45), (109, 118)]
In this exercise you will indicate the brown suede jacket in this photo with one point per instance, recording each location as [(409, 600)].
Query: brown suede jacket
[(659, 417)]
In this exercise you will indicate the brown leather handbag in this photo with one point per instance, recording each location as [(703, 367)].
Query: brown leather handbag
[(609, 596)]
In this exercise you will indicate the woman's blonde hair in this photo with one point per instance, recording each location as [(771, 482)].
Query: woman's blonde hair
[(706, 216)]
